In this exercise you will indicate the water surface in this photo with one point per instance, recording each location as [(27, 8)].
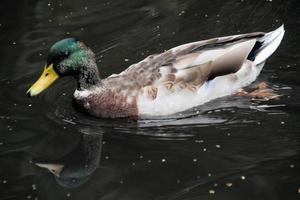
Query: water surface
[(231, 148)]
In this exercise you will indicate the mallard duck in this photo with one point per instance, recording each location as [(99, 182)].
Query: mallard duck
[(162, 84)]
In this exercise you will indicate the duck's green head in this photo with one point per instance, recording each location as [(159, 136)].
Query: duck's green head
[(68, 57)]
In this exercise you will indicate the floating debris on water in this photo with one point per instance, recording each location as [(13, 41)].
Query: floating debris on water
[(69, 195), (243, 177), (163, 160), (228, 184), (218, 146), (211, 191), (181, 13), (195, 160)]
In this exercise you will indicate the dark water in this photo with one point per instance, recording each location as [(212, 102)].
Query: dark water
[(231, 148)]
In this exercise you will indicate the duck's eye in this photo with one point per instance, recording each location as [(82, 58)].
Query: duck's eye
[(53, 170), (46, 74)]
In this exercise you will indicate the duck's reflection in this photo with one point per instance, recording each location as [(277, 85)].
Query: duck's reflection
[(74, 168)]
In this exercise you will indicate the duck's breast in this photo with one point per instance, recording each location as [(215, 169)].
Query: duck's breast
[(107, 103)]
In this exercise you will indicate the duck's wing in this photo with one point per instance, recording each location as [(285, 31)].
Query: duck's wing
[(189, 65)]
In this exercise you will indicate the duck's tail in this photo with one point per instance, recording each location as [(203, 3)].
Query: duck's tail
[(266, 45)]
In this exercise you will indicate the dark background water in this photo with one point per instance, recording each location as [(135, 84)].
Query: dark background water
[(231, 148)]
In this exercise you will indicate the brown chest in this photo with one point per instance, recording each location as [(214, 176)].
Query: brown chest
[(109, 104)]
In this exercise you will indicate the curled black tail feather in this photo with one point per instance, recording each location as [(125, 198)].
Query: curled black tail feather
[(254, 50)]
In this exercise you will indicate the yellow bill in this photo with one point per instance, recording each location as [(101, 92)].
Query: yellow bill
[(46, 79)]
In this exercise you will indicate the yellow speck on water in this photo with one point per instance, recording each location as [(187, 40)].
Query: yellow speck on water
[(228, 184), (211, 191)]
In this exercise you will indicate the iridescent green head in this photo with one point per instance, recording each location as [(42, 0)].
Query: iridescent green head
[(68, 57)]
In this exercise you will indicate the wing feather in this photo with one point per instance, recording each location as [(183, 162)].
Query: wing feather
[(186, 66)]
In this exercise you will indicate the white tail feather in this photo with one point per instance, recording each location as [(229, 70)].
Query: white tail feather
[(270, 43)]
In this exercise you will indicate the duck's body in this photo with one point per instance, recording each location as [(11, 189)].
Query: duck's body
[(181, 78)]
